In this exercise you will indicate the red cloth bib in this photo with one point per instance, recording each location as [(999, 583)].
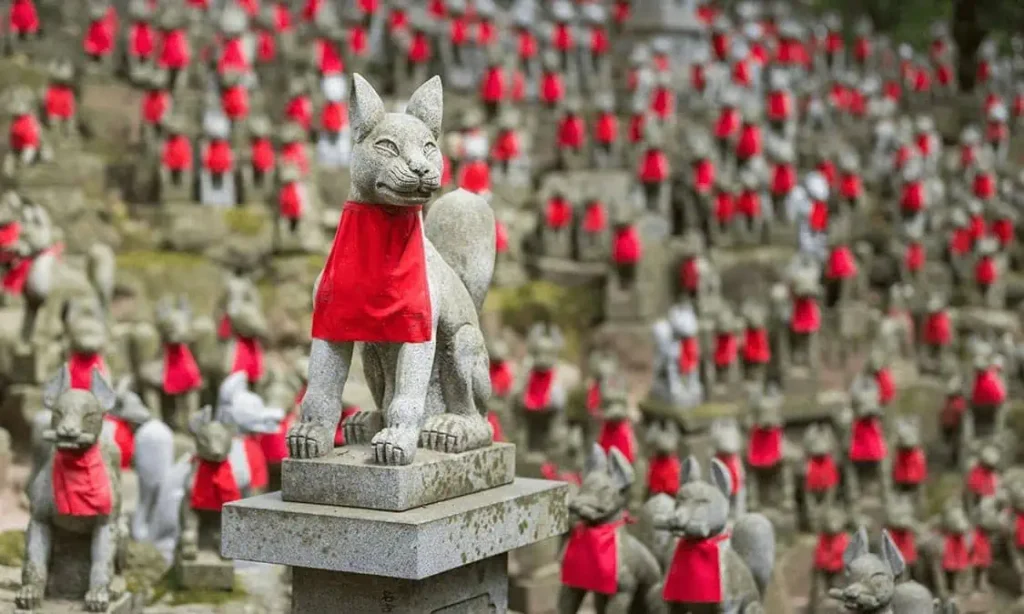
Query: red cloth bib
[(181, 373), (989, 389), (723, 207), (591, 559), (783, 179), (741, 73), (552, 89), (636, 127), (329, 60), (492, 419), (976, 224), (828, 554), (955, 554), (806, 318), (841, 264), (492, 86), (213, 486), (663, 102), (500, 237), (756, 349), (913, 199), (689, 354), (985, 273), (506, 146), (9, 234), (99, 38), (626, 246), (419, 51), (606, 128), (24, 132), (618, 434), (862, 49), (703, 175), (911, 467), (266, 46), (720, 45), (558, 213), (851, 186), (1003, 230), (155, 104), (984, 186), (296, 154), (663, 475), (728, 123), (764, 448), (818, 220), (914, 257), (821, 473), (23, 18), (358, 41), (124, 437), (234, 101), (698, 77), (868, 442), (526, 44), (1018, 530), (570, 132), (982, 481), (726, 349), (562, 38), (289, 201), (695, 575), (961, 241), (501, 378), (81, 486), (17, 276), (60, 102), (458, 31), (595, 218), (262, 153), (749, 204), (177, 154), (300, 110), (275, 445), (175, 52), (654, 167), (886, 386), (594, 398), (689, 275), (248, 358), (981, 549), (953, 411), (537, 395), (749, 144), (906, 542), (780, 106), (219, 158), (475, 176), (937, 329), (232, 56), (374, 285), (734, 464), (259, 477), (81, 365)]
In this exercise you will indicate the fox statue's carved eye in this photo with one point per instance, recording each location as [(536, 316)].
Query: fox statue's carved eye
[(429, 148), (387, 146)]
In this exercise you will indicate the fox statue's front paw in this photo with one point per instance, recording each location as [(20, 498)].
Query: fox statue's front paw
[(310, 440), (455, 433), (29, 597), (97, 599), (395, 445)]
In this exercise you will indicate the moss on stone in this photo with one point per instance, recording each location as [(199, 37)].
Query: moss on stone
[(939, 491), (145, 567), (245, 221), (573, 309), (167, 592), (12, 548), (160, 273)]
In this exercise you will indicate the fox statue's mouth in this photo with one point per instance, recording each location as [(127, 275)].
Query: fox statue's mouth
[(418, 194), (78, 441)]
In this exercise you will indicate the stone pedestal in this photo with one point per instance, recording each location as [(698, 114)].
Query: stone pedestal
[(428, 537), (125, 604), (208, 571)]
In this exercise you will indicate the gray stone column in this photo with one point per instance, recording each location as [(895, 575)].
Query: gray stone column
[(431, 537)]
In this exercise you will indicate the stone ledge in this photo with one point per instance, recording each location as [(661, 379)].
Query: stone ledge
[(125, 604), (413, 544), (349, 478)]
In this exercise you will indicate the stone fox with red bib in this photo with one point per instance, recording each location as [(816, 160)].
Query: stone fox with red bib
[(408, 287)]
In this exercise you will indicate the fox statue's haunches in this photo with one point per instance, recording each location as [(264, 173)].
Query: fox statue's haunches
[(429, 373)]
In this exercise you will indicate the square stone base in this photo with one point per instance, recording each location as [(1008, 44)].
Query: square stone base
[(208, 571), (125, 604), (477, 588), (535, 595), (348, 477)]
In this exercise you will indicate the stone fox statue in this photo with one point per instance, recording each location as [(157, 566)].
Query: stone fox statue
[(75, 501), (872, 586), (409, 289)]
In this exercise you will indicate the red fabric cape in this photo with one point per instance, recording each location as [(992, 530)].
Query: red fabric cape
[(955, 555), (248, 358), (501, 378), (663, 474), (821, 473), (828, 554), (910, 468), (591, 560), (289, 201), (499, 433), (695, 575), (60, 101), (124, 437), (618, 434), (275, 445), (81, 365), (537, 395), (213, 486), (756, 349), (181, 373), (259, 478), (906, 541), (868, 442), (989, 389), (981, 549), (726, 349), (982, 481), (689, 354), (374, 284), (806, 316), (16, 277), (24, 132), (764, 449), (81, 486)]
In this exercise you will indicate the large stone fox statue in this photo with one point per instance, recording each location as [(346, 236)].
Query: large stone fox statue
[(409, 289)]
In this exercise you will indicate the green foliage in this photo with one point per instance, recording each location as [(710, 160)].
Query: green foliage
[(245, 221), (12, 548), (574, 310)]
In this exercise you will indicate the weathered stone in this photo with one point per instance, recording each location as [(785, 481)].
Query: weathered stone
[(20, 402), (537, 594), (479, 587), (125, 604), (207, 571), (414, 544), (350, 478)]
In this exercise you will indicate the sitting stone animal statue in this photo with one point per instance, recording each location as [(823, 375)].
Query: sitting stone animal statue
[(713, 569), (872, 586), (174, 382), (75, 502), (601, 556), (410, 289)]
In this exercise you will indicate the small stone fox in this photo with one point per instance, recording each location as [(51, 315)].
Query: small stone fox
[(433, 393), (872, 577), (711, 570), (75, 501), (600, 555)]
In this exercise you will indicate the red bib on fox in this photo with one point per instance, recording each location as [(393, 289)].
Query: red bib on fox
[(374, 284), (591, 559), (81, 486), (695, 575)]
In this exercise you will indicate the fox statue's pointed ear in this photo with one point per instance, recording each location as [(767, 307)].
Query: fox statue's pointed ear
[(366, 109), (891, 555), (857, 547), (427, 105)]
